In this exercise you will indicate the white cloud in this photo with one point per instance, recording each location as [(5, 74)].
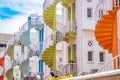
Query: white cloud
[(25, 6), (12, 25)]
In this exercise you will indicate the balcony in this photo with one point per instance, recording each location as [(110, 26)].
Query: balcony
[(71, 30), (70, 68)]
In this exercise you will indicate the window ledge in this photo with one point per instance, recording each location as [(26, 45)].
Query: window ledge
[(90, 62), (101, 62)]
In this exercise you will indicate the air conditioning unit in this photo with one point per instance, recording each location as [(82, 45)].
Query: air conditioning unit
[(94, 70)]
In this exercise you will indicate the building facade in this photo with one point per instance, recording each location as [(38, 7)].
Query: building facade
[(71, 46), (79, 22), (4, 38)]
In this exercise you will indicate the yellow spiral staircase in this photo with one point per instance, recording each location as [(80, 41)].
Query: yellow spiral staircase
[(106, 32), (49, 16)]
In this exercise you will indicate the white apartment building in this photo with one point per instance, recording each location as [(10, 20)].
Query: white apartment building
[(83, 16), (4, 38)]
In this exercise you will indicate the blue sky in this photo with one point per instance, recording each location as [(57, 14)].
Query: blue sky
[(14, 13)]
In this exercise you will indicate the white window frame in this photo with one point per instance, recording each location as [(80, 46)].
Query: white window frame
[(91, 13), (101, 13), (102, 52), (92, 56)]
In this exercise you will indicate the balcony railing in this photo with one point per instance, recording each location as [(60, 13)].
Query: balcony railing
[(70, 68), (71, 26)]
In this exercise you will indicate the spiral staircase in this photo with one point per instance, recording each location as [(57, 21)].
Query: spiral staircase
[(106, 32), (33, 51), (8, 71), (49, 54), (49, 16)]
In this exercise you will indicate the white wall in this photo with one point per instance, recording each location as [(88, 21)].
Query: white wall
[(34, 65), (84, 23), (16, 73), (95, 64), (61, 52), (79, 35), (17, 52), (88, 23)]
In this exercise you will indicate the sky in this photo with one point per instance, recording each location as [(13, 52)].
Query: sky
[(14, 13)]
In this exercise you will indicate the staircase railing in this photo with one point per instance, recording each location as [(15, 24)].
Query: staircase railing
[(102, 7), (69, 27), (116, 2), (46, 4), (70, 68), (12, 63), (60, 35), (109, 64)]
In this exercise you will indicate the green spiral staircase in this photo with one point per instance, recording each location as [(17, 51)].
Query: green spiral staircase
[(49, 16), (24, 66)]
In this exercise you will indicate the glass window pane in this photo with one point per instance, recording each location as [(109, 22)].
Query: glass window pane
[(89, 12), (90, 56), (101, 56)]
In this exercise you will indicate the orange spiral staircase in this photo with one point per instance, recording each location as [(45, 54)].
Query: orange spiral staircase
[(106, 32)]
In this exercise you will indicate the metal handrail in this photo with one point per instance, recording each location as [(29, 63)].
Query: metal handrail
[(21, 30), (103, 5), (109, 61)]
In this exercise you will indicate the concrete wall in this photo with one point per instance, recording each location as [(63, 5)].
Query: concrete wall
[(84, 25), (81, 13), (88, 35)]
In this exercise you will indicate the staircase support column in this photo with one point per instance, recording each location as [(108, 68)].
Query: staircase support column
[(54, 38)]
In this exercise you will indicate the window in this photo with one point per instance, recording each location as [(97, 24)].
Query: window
[(89, 0), (101, 56), (100, 13), (117, 3), (89, 12), (90, 55)]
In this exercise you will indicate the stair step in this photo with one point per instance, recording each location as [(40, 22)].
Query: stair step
[(47, 59), (103, 29), (103, 34), (108, 46), (48, 16), (104, 38), (104, 25), (50, 66), (112, 12), (50, 56), (49, 10), (105, 43), (105, 21), (108, 16), (50, 48)]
